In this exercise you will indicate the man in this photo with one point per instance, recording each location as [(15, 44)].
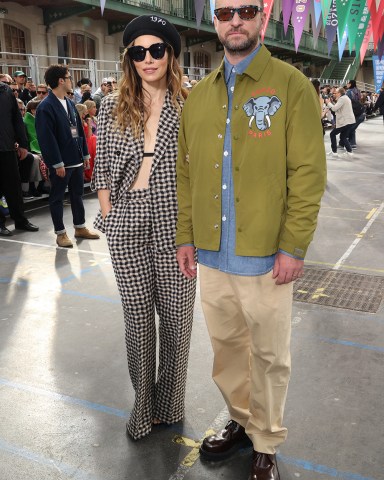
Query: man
[(104, 90), (251, 173), (20, 78), (64, 149), (354, 95), (29, 91), (13, 144), (41, 91), (345, 121), (77, 92)]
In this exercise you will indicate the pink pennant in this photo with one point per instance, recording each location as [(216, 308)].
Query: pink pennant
[(364, 45), (299, 15), (268, 4), (287, 10), (102, 6)]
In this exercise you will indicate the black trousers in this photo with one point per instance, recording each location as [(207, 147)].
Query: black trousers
[(10, 186)]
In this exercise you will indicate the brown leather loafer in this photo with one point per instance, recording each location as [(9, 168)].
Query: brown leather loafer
[(264, 467), (85, 233), (225, 443)]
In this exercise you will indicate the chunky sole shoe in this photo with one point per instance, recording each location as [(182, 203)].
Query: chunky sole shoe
[(216, 457)]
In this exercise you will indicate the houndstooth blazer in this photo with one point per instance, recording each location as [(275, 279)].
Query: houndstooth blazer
[(118, 159)]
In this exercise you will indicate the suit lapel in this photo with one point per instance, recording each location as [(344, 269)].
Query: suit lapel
[(169, 119)]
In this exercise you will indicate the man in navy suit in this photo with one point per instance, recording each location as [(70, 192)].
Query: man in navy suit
[(63, 145)]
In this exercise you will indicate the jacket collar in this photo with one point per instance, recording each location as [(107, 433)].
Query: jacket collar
[(255, 68)]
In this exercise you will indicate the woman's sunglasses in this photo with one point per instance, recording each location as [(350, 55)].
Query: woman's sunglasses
[(138, 53), (248, 12)]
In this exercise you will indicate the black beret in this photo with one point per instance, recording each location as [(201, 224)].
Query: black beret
[(153, 25)]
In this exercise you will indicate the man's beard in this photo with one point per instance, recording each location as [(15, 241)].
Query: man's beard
[(236, 47)]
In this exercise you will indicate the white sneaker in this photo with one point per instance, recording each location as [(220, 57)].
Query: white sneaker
[(349, 154), (333, 154)]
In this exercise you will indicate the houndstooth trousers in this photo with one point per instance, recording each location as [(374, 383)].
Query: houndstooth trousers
[(149, 279)]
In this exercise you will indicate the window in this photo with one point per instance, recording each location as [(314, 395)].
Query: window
[(13, 40), (76, 45), (201, 60)]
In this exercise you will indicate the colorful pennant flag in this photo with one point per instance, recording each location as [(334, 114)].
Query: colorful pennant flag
[(331, 26), (268, 4), (362, 39), (342, 7), (287, 6), (102, 6), (357, 10), (199, 9), (317, 9), (299, 16), (325, 6), (341, 42)]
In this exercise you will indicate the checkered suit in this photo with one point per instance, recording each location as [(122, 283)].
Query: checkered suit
[(140, 230)]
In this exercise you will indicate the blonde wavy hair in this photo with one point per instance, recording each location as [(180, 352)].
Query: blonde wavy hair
[(130, 110)]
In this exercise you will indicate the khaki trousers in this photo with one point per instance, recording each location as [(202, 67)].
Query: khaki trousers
[(249, 322)]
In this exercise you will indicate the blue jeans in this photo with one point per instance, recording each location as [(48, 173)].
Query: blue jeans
[(344, 133), (74, 180)]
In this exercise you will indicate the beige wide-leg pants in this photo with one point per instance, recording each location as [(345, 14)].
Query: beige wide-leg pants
[(249, 322)]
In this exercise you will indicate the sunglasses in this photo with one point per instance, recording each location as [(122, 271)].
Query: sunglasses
[(7, 83), (247, 12), (70, 93), (138, 53), (40, 92)]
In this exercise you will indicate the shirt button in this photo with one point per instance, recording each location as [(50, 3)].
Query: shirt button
[(217, 165), (216, 226), (228, 121), (224, 218), (232, 89), (225, 153), (224, 187)]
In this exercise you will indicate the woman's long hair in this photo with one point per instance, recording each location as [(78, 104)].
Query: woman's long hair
[(130, 110)]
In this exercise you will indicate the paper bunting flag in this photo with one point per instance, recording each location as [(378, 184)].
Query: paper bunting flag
[(102, 6), (376, 15), (357, 11), (341, 42), (325, 6), (287, 10), (268, 4), (317, 9), (299, 16), (343, 8), (331, 26), (362, 38), (380, 48), (212, 5), (364, 29), (199, 9)]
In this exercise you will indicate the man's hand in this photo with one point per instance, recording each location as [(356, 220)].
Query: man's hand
[(287, 269), (186, 259), (87, 165), (60, 172), (22, 153)]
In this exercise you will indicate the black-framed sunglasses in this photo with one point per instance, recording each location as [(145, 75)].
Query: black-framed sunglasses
[(41, 92), (70, 93), (247, 12), (156, 50)]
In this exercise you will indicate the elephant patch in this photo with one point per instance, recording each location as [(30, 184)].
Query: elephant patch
[(260, 110)]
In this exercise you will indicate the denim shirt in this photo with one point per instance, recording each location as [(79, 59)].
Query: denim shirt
[(225, 259)]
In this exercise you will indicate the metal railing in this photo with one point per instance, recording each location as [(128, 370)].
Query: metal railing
[(35, 65)]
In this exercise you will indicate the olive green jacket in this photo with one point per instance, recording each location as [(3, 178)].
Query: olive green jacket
[(278, 160)]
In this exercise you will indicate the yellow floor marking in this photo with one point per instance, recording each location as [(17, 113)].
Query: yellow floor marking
[(302, 291), (193, 455), (371, 213)]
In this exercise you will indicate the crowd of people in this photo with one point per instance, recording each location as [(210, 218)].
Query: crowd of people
[(222, 176), (343, 109)]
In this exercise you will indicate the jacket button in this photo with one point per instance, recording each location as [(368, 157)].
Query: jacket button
[(216, 226), (216, 197), (217, 165)]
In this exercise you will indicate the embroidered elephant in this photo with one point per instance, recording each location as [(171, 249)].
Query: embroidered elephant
[(260, 109)]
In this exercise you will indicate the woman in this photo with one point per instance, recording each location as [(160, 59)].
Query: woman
[(135, 178)]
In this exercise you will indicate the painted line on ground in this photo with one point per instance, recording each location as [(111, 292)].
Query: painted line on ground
[(71, 472), (370, 213), (322, 469), (345, 343), (344, 257), (55, 247)]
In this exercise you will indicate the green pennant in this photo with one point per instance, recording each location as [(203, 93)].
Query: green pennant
[(325, 6), (343, 9), (358, 10), (358, 28)]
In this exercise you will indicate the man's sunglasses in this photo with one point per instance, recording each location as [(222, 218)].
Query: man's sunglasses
[(41, 92), (138, 53), (70, 93), (247, 12)]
